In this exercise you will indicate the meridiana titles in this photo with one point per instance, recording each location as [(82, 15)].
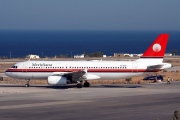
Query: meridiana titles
[(41, 64)]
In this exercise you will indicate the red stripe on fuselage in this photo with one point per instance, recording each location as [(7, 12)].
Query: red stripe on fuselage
[(76, 70)]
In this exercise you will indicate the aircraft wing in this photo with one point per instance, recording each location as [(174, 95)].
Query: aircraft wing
[(77, 75)]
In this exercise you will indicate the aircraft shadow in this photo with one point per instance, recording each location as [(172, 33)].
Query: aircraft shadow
[(117, 86), (71, 86), (94, 86)]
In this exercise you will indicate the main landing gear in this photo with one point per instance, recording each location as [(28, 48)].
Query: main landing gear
[(27, 83), (86, 84), (79, 85)]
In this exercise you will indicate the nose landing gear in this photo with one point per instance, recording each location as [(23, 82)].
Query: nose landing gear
[(27, 83)]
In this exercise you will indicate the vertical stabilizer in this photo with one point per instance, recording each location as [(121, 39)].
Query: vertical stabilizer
[(156, 50)]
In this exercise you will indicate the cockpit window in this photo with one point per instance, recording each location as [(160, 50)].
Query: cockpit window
[(14, 67)]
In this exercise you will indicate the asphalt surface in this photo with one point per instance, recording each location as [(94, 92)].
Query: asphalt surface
[(2, 75), (177, 68), (102, 102)]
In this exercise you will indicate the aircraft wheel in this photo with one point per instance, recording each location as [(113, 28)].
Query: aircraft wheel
[(86, 84), (27, 85), (79, 85)]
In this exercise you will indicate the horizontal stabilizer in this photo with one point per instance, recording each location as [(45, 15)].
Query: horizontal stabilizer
[(155, 66)]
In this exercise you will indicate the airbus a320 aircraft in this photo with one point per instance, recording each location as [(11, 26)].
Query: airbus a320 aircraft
[(65, 72)]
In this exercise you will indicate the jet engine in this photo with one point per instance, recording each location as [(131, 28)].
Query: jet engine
[(57, 80)]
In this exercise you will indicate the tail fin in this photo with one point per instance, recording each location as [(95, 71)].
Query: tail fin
[(157, 49)]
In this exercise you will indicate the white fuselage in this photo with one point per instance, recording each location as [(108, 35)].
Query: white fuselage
[(102, 69)]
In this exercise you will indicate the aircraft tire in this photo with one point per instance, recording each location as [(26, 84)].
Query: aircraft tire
[(86, 84), (27, 85), (79, 85)]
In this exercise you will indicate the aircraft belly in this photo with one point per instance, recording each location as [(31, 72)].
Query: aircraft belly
[(116, 75)]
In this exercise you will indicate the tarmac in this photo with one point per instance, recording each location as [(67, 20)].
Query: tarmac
[(177, 68), (2, 75), (98, 102)]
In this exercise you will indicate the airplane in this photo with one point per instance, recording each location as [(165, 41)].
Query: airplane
[(67, 72)]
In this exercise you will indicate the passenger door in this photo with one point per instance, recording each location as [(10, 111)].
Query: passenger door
[(25, 66), (135, 67)]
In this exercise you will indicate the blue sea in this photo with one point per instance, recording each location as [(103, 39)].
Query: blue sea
[(53, 43)]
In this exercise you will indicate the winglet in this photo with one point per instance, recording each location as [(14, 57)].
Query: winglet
[(157, 48)]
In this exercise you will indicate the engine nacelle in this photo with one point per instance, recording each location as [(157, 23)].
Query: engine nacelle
[(57, 80)]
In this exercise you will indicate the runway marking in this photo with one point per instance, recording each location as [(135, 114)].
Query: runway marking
[(42, 104)]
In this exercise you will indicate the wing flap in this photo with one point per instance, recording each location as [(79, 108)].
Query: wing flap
[(155, 66), (77, 75)]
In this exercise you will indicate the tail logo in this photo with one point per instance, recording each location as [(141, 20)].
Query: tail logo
[(156, 47)]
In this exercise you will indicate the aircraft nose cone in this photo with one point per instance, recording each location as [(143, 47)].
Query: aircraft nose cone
[(7, 73)]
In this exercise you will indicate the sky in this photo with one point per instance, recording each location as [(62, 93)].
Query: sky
[(89, 15)]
